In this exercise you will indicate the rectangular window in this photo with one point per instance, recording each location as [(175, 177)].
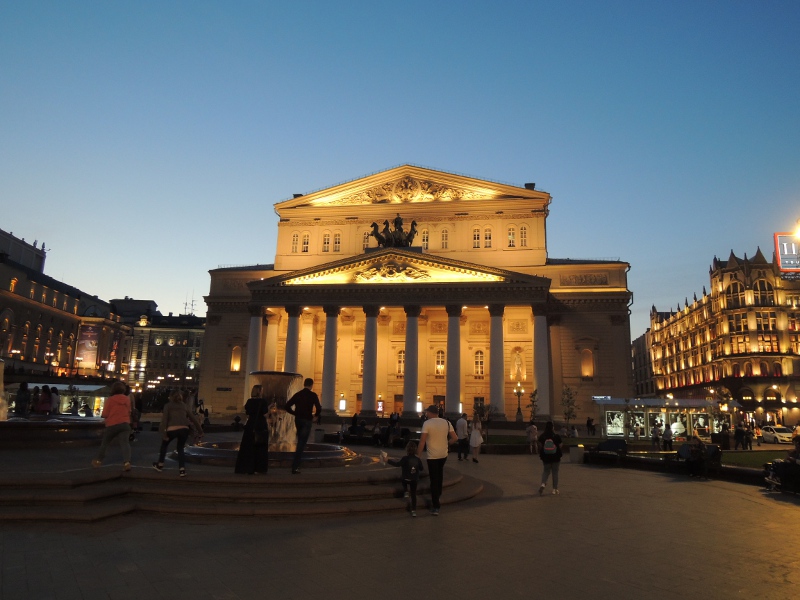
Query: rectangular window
[(424, 239), (512, 236), (326, 242), (487, 238), (445, 238), (305, 242), (476, 238), (523, 237), (337, 242)]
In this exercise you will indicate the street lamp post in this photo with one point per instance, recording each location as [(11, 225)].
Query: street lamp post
[(518, 391)]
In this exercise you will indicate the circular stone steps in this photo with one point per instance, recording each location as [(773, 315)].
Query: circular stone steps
[(90, 495)]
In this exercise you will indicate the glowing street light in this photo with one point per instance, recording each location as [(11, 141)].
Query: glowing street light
[(518, 391)]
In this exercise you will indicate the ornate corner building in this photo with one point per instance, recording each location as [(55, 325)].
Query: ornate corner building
[(413, 286), (740, 341)]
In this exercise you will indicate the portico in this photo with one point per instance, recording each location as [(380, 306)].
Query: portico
[(406, 298)]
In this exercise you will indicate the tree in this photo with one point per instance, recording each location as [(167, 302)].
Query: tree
[(568, 403), (533, 404)]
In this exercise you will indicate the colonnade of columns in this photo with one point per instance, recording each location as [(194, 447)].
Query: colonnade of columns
[(541, 356)]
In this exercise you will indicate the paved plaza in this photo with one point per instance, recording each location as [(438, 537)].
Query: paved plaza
[(611, 533)]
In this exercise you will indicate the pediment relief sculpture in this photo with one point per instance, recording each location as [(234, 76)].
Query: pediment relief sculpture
[(409, 189)]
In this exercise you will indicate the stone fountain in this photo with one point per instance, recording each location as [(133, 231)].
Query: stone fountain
[(276, 388)]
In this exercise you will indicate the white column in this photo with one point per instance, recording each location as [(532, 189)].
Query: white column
[(292, 339), (254, 344), (412, 362), (497, 369), (369, 381), (306, 347), (541, 362), (330, 349), (453, 361), (270, 359)]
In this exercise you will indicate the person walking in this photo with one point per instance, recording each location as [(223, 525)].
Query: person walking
[(655, 437), (301, 406), (411, 466), (437, 434), (475, 439), (253, 455), (462, 431), (550, 453), (117, 416), (175, 426)]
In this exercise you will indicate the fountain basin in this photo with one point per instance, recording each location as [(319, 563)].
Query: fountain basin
[(223, 454)]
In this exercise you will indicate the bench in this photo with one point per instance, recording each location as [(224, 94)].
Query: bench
[(606, 452)]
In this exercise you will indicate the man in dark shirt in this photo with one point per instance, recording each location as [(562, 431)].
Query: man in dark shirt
[(301, 405)]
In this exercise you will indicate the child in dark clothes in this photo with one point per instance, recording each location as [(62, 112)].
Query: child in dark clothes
[(412, 466)]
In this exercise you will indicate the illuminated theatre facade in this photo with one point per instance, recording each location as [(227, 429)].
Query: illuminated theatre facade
[(413, 286)]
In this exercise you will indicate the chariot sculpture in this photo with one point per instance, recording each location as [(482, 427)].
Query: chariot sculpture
[(394, 238)]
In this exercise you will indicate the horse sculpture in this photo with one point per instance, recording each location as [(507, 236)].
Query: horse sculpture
[(377, 235)]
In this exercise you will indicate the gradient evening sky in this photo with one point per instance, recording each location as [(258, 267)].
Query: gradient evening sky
[(146, 142)]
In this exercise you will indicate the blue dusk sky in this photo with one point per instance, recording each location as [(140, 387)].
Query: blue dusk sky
[(146, 142)]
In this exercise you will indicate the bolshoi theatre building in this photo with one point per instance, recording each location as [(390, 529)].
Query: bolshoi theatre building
[(412, 287)]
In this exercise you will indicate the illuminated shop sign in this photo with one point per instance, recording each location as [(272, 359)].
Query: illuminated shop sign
[(786, 249)]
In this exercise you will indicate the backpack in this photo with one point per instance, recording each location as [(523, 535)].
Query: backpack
[(549, 447)]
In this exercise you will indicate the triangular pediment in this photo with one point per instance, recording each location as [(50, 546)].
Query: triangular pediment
[(393, 266), (408, 184)]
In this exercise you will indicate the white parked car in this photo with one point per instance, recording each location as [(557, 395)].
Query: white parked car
[(776, 435)]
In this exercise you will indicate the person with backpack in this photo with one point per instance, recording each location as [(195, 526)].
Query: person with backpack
[(550, 453)]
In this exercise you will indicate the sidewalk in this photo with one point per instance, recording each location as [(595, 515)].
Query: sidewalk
[(611, 533)]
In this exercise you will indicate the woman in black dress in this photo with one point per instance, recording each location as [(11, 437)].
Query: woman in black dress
[(253, 453)]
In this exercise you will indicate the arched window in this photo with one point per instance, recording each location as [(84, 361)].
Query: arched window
[(763, 293), (365, 240), (439, 366), (748, 370), (337, 242), (13, 284), (587, 363), (512, 237), (236, 359), (523, 236), (764, 369), (476, 237), (306, 238), (326, 242), (425, 238), (777, 370), (478, 370), (401, 362), (487, 237), (737, 370), (445, 238), (295, 242), (734, 295)]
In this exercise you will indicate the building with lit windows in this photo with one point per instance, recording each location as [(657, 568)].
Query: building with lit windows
[(740, 341), (50, 328), (413, 286), (164, 350)]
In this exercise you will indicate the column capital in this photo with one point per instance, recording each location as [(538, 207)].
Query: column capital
[(497, 310), (256, 311), (294, 310), (413, 310), (453, 310), (372, 311), (332, 311)]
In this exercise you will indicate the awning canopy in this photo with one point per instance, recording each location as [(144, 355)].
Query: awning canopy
[(661, 402)]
